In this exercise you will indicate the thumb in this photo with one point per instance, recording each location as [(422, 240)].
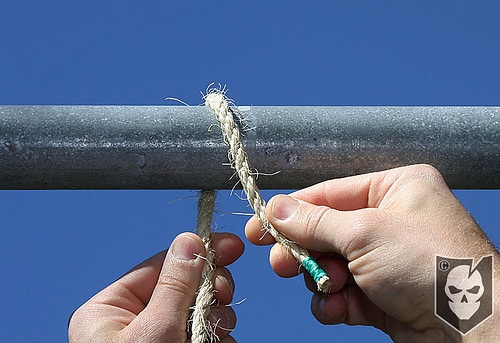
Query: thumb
[(167, 312), (321, 228)]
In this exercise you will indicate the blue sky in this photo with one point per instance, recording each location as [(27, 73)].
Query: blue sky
[(60, 247)]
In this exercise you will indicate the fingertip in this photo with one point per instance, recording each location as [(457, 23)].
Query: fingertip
[(256, 234), (329, 309), (187, 246), (223, 320), (223, 286), (282, 207), (181, 271), (228, 248), (282, 262)]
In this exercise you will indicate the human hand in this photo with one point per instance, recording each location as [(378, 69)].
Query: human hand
[(151, 303), (377, 235)]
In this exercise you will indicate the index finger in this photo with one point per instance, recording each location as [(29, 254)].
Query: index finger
[(351, 193)]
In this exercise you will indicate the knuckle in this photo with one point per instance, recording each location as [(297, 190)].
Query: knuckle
[(365, 220), (314, 221), (427, 173), (174, 283), (365, 228)]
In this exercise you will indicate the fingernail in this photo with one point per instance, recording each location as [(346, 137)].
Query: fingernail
[(185, 248), (284, 207)]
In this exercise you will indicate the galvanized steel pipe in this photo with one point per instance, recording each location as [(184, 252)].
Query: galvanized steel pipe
[(147, 147)]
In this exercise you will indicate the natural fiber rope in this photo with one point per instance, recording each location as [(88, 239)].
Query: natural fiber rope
[(218, 102), (201, 330)]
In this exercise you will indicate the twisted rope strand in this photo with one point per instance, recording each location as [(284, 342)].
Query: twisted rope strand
[(201, 330), (218, 102)]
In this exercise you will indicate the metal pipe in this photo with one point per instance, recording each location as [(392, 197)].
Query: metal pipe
[(146, 147)]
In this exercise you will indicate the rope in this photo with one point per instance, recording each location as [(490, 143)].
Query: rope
[(201, 330), (218, 102)]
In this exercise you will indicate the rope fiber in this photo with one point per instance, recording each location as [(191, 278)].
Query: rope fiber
[(216, 100), (201, 329)]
